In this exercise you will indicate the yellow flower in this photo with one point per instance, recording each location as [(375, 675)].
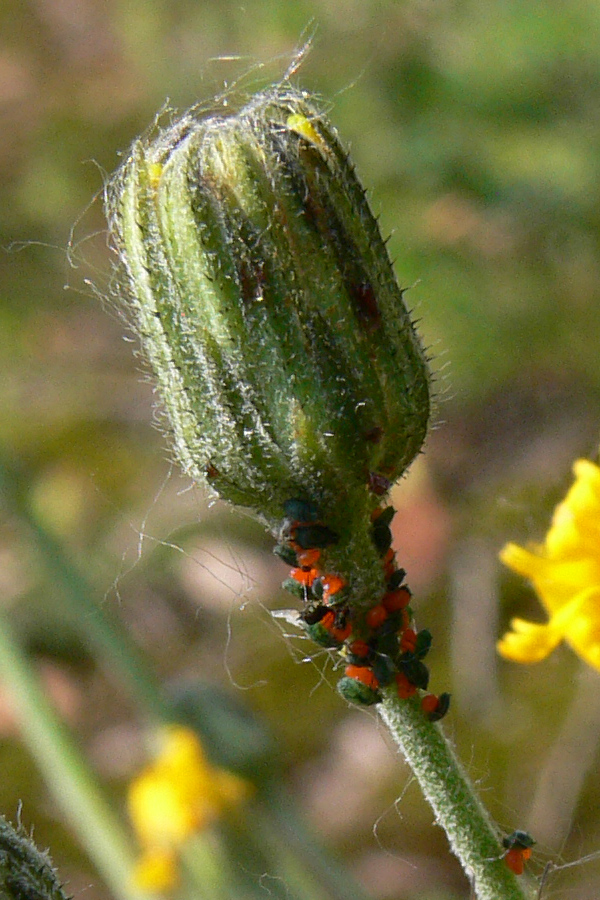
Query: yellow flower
[(565, 572), (174, 797)]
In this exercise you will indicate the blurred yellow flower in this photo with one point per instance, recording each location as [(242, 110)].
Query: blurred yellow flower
[(173, 798), (565, 572)]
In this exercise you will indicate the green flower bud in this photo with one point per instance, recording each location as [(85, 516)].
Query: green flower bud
[(25, 873), (267, 307)]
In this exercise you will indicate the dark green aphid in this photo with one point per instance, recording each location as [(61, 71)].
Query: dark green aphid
[(355, 691), (313, 536), (383, 669), (416, 671), (322, 636), (287, 554), (301, 510), (423, 646), (385, 516), (294, 587), (396, 580), (521, 840), (381, 537)]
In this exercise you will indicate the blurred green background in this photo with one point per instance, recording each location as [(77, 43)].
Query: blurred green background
[(476, 127)]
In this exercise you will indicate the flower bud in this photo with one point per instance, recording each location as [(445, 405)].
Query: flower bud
[(25, 872), (268, 308)]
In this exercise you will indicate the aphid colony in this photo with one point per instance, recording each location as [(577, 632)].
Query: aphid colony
[(380, 649)]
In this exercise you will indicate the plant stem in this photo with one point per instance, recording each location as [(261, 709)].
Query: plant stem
[(66, 771), (111, 644), (282, 816), (458, 809)]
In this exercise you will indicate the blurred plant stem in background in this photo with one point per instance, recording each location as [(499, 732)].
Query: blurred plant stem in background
[(67, 774), (110, 643), (275, 839)]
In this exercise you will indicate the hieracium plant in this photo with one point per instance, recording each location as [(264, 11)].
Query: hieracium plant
[(295, 386)]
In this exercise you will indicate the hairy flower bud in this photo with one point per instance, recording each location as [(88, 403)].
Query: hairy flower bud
[(268, 308), (25, 872)]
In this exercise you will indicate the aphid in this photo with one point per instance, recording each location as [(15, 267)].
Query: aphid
[(381, 537), (304, 576), (408, 641), (396, 600), (518, 846), (313, 614), (308, 558), (312, 536), (384, 517), (359, 685), (294, 587), (415, 670), (359, 648), (406, 688), (376, 616), (332, 584), (423, 643), (396, 579), (301, 510), (435, 708), (286, 553), (389, 564), (326, 627), (384, 669)]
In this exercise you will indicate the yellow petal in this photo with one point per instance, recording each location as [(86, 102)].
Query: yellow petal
[(583, 631), (524, 562), (565, 573), (180, 792), (156, 870), (528, 642), (577, 622), (575, 529)]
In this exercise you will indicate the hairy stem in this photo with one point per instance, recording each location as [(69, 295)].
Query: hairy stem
[(457, 807)]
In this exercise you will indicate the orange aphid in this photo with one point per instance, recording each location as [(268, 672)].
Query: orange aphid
[(389, 563), (340, 634), (429, 703), (515, 859), (328, 621), (308, 557), (406, 688), (304, 576), (408, 640), (359, 648), (363, 674), (331, 585), (376, 616), (396, 600)]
